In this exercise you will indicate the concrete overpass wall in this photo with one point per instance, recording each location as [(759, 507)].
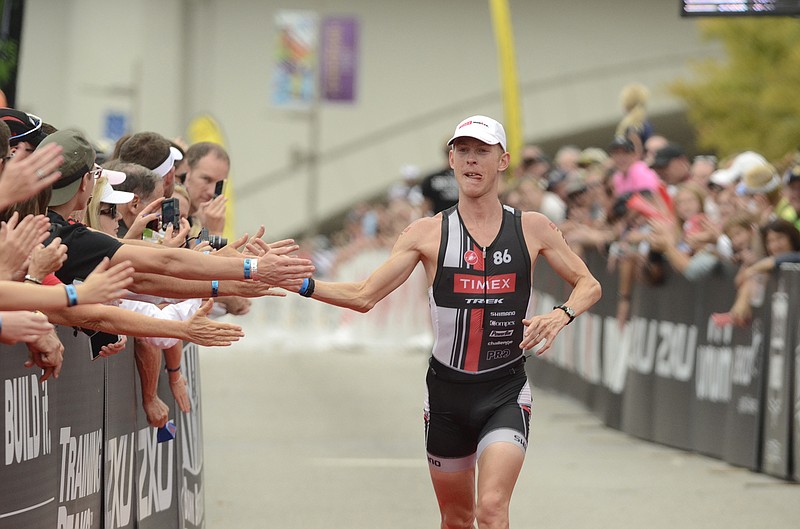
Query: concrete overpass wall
[(423, 66)]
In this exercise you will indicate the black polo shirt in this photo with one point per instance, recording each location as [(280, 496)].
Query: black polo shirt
[(85, 248)]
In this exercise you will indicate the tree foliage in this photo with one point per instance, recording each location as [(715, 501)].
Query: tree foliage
[(8, 60), (749, 101)]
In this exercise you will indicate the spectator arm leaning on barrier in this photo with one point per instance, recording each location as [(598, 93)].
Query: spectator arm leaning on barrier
[(177, 383), (197, 329), (148, 365), (766, 265), (47, 353), (103, 284)]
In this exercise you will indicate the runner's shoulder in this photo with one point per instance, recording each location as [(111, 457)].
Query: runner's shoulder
[(534, 219), (422, 231)]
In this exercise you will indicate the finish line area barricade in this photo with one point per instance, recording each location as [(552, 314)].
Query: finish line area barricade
[(672, 376), (77, 451)]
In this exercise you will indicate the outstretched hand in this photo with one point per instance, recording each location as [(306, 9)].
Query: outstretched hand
[(277, 267), (106, 284), (203, 331)]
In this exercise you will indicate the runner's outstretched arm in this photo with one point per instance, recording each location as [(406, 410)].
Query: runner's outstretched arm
[(362, 296)]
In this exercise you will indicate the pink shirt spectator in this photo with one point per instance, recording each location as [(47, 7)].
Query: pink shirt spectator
[(638, 177)]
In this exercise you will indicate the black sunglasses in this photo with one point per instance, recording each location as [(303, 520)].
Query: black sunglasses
[(111, 211)]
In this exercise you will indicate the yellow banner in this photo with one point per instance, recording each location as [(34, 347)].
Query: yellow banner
[(205, 128), (512, 116)]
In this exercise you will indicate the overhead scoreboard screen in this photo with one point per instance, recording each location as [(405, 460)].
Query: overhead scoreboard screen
[(693, 8)]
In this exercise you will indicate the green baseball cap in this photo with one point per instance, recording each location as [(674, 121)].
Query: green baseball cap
[(79, 159)]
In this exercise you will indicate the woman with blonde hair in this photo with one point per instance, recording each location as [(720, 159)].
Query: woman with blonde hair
[(634, 124)]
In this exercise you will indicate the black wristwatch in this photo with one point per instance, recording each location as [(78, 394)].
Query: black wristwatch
[(569, 311)]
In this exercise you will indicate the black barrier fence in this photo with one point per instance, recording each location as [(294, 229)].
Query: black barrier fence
[(78, 452), (673, 376)]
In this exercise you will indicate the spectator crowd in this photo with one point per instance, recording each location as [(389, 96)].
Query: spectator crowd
[(130, 248), (640, 200)]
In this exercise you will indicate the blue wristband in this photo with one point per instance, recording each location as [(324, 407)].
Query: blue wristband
[(304, 287), (247, 268), (72, 295), (214, 288)]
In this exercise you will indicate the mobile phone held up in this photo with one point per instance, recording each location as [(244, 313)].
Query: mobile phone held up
[(100, 339), (170, 213), (219, 188)]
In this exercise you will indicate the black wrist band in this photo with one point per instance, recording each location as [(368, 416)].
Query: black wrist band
[(568, 311), (173, 369), (309, 289)]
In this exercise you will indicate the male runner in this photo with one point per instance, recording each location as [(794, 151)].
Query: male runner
[(478, 257)]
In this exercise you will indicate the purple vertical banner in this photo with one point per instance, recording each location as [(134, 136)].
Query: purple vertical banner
[(338, 59)]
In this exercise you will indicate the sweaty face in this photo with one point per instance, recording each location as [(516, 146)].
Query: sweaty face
[(203, 177), (477, 165)]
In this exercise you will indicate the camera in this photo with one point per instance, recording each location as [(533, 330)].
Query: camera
[(216, 241), (219, 188), (170, 213)]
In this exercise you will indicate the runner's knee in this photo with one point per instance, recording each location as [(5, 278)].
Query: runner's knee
[(492, 510)]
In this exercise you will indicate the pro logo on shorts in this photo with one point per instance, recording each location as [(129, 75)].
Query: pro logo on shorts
[(471, 257)]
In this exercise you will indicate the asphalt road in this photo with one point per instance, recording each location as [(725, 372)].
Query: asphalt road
[(323, 439)]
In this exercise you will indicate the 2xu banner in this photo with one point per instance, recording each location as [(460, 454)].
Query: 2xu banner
[(672, 374), (77, 452)]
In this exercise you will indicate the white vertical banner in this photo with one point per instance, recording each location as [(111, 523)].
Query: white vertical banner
[(294, 79)]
